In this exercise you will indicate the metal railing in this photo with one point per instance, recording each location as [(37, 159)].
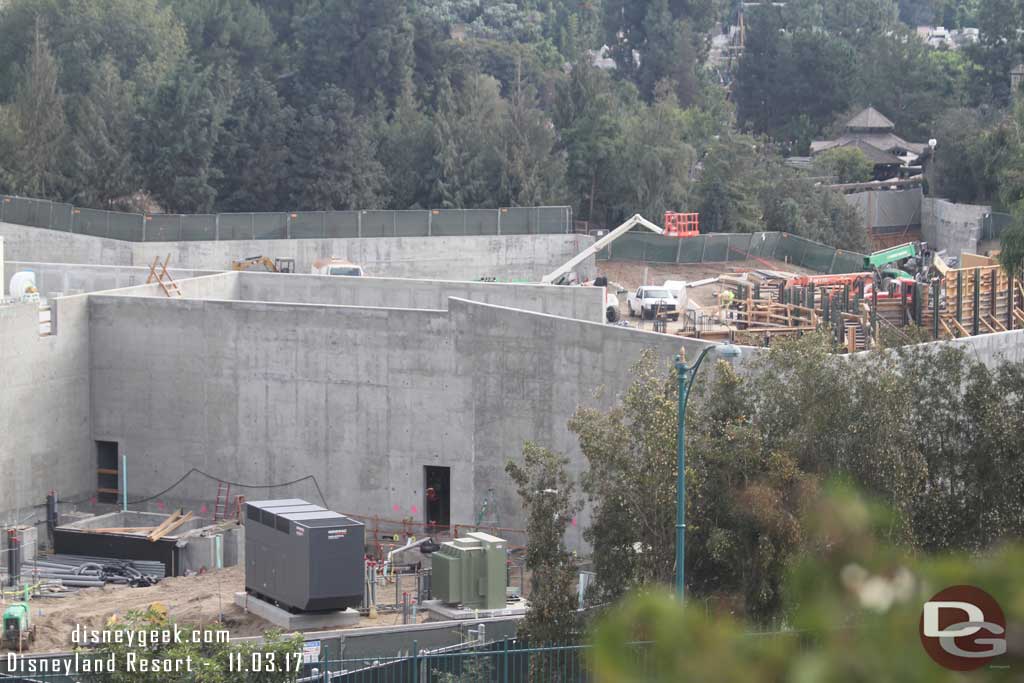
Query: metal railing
[(506, 661), (138, 227)]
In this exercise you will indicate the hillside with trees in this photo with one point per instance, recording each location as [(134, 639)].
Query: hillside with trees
[(607, 105)]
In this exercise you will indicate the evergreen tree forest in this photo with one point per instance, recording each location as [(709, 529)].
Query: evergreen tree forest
[(610, 106)]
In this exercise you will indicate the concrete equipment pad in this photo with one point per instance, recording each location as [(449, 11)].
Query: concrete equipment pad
[(295, 622), (450, 612)]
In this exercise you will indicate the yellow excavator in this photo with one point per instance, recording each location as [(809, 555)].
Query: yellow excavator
[(279, 265)]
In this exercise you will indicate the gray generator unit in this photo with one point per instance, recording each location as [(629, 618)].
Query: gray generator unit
[(303, 557)]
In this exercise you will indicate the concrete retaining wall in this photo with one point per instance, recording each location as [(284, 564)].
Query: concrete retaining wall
[(44, 407), (953, 227), (505, 257), (76, 278), (991, 349), (53, 246), (518, 257), (584, 303)]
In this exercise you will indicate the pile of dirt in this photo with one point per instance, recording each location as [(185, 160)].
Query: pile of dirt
[(204, 600)]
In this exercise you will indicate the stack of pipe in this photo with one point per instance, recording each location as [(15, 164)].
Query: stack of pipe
[(87, 572)]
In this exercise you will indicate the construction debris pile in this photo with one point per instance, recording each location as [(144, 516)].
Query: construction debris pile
[(77, 571)]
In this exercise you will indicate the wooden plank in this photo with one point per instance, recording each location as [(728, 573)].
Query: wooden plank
[(995, 322), (157, 535), (167, 522), (105, 490), (123, 530), (961, 328), (106, 470), (942, 321)]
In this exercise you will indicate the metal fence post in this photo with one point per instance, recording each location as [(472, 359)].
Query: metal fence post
[(504, 662), (430, 221), (499, 221), (415, 661), (288, 225), (216, 227), (359, 224), (976, 301)]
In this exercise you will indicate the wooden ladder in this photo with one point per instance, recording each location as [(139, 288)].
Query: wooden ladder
[(220, 505), (163, 278)]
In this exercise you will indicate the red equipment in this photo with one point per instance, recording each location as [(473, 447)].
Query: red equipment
[(681, 224)]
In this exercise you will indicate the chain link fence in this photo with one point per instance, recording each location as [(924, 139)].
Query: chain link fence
[(726, 247), (137, 227)]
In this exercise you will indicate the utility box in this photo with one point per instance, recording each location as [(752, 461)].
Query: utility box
[(471, 572), (303, 557)]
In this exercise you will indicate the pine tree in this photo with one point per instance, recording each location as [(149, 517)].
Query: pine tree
[(334, 157), (178, 135), (407, 153), (101, 156), (39, 125), (533, 172), (252, 150)]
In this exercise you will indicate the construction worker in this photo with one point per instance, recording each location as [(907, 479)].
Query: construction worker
[(725, 298)]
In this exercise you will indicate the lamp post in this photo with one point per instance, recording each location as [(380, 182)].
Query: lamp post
[(686, 374)]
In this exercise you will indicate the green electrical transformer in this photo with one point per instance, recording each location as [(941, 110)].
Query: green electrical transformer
[(471, 572)]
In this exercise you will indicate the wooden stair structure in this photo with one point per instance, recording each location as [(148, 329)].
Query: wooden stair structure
[(162, 277)]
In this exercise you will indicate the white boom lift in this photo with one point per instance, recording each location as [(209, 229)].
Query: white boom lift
[(600, 244)]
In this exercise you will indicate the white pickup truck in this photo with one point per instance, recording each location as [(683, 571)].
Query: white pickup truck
[(645, 301), (335, 266)]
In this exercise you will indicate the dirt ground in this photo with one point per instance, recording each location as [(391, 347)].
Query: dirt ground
[(191, 600), (630, 275)]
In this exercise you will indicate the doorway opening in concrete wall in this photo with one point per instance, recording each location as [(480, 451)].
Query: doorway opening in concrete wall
[(108, 471), (437, 502)]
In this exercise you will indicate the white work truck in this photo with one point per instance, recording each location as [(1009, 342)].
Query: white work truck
[(333, 266), (649, 299)]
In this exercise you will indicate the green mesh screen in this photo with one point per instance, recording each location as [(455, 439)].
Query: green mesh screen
[(691, 249), (306, 224), (447, 222), (716, 248), (200, 226), (553, 219), (411, 223), (341, 224), (125, 226), (377, 223), (235, 226), (739, 247), (91, 222), (163, 228), (848, 262), (659, 249), (817, 257), (788, 249), (481, 221), (270, 226), (60, 219), (627, 248), (515, 221)]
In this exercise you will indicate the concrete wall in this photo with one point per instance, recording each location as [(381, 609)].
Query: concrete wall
[(360, 398), (76, 278), (221, 286), (44, 406), (506, 257), (953, 227), (519, 257), (530, 374), (584, 303), (24, 243), (265, 393), (991, 349)]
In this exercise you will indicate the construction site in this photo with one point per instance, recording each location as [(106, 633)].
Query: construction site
[(202, 412)]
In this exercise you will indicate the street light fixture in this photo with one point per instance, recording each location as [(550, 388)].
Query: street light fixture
[(686, 374)]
